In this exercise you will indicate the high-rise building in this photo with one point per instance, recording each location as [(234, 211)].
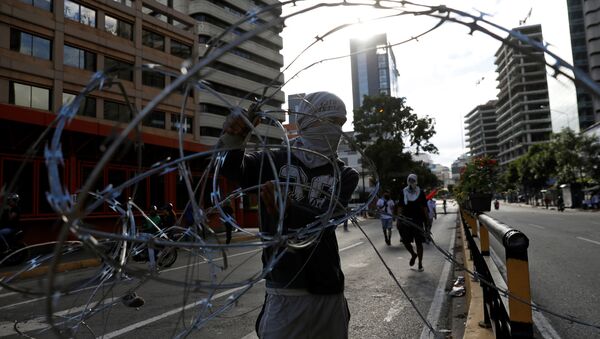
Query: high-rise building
[(523, 107), (374, 69), (458, 165), (50, 49), (579, 50), (242, 75), (482, 133)]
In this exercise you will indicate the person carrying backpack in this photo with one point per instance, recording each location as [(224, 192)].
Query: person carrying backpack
[(385, 207)]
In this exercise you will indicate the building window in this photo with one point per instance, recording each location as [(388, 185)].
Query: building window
[(79, 58), (153, 40), (153, 79), (118, 27), (29, 96), (123, 70), (116, 111), (181, 50), (155, 119), (29, 44), (128, 3), (80, 13), (188, 123), (43, 4), (86, 109)]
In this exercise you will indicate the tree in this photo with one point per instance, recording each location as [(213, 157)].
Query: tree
[(577, 157), (388, 118), (384, 127)]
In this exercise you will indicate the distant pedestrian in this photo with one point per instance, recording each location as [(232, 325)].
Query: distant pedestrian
[(153, 222), (385, 208), (432, 215), (413, 206), (169, 217), (10, 224)]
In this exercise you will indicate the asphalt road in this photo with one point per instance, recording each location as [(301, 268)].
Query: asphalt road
[(378, 307), (564, 265)]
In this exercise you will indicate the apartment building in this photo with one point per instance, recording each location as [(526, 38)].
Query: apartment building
[(482, 133), (50, 49), (523, 106)]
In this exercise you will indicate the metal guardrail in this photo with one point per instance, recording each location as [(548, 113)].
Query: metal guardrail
[(516, 320)]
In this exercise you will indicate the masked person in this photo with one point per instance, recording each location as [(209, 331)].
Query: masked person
[(304, 289), (413, 205)]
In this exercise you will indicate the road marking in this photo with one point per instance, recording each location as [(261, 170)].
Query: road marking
[(205, 261), (435, 310), (7, 294), (41, 298), (540, 321), (39, 323), (351, 246), (589, 240), (167, 314), (538, 226), (186, 307)]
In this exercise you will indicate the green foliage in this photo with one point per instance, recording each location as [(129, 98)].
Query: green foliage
[(480, 175), (569, 158), (388, 118), (385, 127)]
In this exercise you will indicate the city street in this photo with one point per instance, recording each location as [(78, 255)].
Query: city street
[(378, 307), (563, 264)]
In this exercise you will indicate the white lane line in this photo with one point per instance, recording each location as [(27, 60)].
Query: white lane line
[(351, 246), (7, 294), (540, 321), (87, 288), (188, 306), (205, 261), (41, 298), (538, 226), (589, 240), (166, 314), (435, 310), (39, 323), (252, 335)]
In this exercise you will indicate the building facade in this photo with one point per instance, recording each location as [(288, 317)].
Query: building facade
[(374, 70), (577, 28), (482, 132), (591, 19), (50, 49), (523, 107)]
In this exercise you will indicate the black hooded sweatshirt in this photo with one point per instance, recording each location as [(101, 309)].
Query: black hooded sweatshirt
[(317, 267)]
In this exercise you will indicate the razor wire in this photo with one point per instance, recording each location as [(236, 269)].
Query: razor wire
[(117, 250)]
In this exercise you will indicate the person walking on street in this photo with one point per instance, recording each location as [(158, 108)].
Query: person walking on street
[(305, 287), (385, 207), (444, 204), (10, 223), (413, 206), (432, 215)]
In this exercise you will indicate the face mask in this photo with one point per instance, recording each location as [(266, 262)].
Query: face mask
[(321, 138)]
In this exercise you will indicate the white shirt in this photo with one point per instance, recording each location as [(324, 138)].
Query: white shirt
[(431, 208), (388, 211)]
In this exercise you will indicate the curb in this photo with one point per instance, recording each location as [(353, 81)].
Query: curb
[(475, 302)]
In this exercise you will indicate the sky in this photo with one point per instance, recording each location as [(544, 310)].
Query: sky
[(445, 74)]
